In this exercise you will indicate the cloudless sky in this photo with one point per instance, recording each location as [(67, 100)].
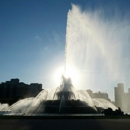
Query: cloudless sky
[(32, 36)]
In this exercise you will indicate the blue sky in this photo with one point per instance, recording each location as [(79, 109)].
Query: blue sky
[(33, 32)]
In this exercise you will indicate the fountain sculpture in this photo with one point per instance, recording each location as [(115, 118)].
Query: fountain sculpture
[(63, 99)]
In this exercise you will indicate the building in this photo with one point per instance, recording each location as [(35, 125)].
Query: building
[(98, 95), (13, 90), (101, 95), (90, 92), (34, 89), (119, 94), (122, 98)]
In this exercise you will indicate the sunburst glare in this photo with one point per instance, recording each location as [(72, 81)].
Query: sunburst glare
[(70, 72)]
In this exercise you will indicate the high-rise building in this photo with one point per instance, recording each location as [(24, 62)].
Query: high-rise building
[(122, 98), (119, 94), (13, 90), (34, 89)]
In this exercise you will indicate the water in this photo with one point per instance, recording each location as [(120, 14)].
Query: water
[(63, 99), (62, 103), (4, 106), (80, 37), (97, 49)]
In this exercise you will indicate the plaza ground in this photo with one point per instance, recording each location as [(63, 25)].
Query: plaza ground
[(64, 124)]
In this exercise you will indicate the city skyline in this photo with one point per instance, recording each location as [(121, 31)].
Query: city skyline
[(33, 36), (14, 90), (33, 85), (22, 98)]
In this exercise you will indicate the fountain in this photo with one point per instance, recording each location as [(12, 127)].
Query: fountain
[(65, 98)]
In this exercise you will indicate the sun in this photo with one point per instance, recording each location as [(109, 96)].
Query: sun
[(70, 72)]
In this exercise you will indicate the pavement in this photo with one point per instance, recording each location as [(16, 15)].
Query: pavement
[(64, 124)]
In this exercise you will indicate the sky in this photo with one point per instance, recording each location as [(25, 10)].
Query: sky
[(33, 37)]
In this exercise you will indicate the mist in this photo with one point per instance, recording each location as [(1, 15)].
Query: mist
[(98, 48)]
